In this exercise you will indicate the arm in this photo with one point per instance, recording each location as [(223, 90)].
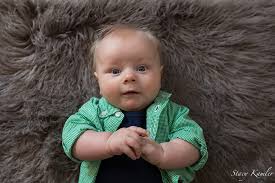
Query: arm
[(82, 141), (178, 154), (170, 155), (84, 148), (93, 145), (184, 148)]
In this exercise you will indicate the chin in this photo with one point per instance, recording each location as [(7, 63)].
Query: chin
[(131, 108)]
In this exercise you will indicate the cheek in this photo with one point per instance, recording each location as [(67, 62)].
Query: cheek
[(153, 81), (108, 86)]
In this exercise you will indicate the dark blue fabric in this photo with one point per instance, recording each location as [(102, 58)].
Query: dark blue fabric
[(134, 118), (121, 168)]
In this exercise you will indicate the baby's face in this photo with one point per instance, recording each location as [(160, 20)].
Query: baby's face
[(128, 69)]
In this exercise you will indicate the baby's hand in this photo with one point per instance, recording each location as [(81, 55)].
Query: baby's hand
[(127, 141), (152, 151)]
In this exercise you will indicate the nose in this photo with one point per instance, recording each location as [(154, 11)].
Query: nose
[(129, 77)]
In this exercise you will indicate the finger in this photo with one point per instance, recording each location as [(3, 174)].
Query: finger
[(138, 154), (145, 140), (135, 145), (140, 131), (129, 152), (144, 156), (135, 136)]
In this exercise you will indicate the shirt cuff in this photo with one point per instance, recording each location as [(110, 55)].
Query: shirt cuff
[(197, 141), (70, 138)]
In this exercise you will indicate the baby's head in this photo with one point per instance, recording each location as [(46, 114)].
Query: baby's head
[(127, 66)]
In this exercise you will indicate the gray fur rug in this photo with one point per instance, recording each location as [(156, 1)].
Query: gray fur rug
[(219, 61)]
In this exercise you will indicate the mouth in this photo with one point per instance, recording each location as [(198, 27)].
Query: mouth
[(130, 93)]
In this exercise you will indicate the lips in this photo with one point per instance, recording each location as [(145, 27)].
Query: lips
[(131, 92)]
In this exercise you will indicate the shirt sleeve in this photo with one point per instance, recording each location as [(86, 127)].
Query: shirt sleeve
[(183, 127), (85, 119)]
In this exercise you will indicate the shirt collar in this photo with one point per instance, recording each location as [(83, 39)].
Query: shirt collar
[(107, 109), (162, 96)]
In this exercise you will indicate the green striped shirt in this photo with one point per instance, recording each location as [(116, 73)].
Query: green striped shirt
[(165, 121)]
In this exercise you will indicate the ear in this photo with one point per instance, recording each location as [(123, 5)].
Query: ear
[(96, 76), (161, 69)]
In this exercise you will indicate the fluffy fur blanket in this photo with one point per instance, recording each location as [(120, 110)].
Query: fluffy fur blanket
[(219, 61)]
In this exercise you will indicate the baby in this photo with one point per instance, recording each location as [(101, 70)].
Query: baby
[(134, 133)]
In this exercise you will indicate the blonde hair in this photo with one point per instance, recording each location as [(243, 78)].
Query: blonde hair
[(107, 30)]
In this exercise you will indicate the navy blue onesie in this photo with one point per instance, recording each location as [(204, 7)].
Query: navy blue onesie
[(121, 168)]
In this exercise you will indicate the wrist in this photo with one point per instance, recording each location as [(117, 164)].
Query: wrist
[(108, 148), (158, 156), (161, 156)]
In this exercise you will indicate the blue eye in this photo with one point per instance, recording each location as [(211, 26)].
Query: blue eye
[(141, 68), (116, 71)]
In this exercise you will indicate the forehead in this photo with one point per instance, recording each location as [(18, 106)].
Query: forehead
[(127, 35), (126, 42)]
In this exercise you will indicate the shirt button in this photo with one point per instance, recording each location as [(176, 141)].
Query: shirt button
[(157, 108), (118, 114), (103, 113)]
